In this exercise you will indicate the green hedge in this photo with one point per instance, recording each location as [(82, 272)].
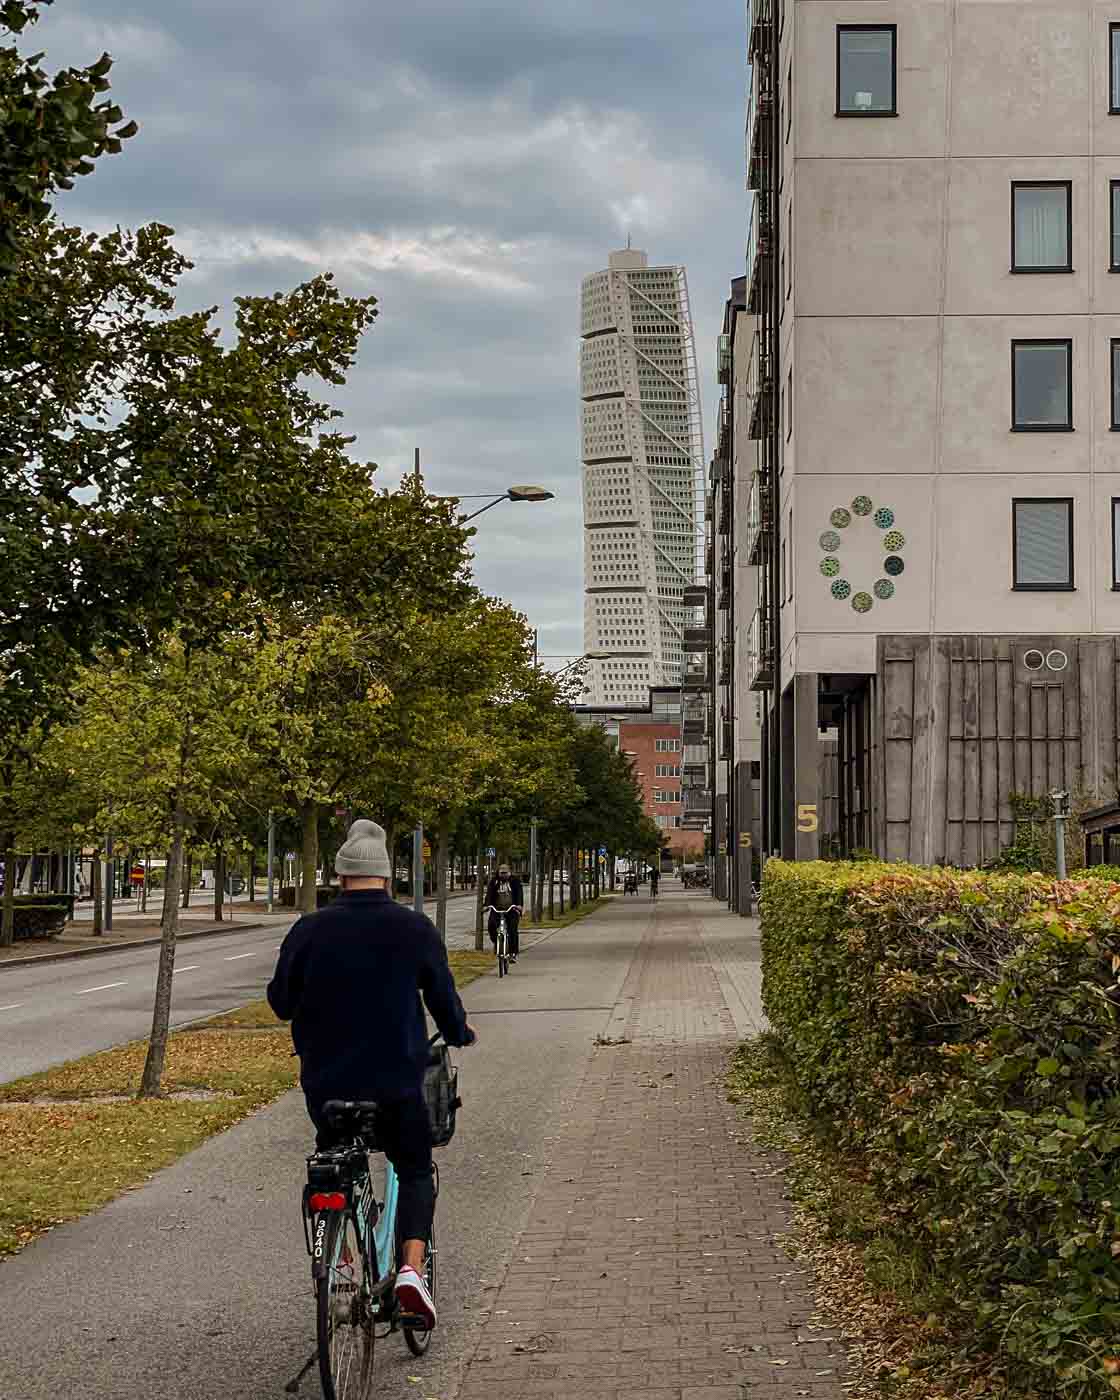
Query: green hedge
[(36, 920), (958, 1031)]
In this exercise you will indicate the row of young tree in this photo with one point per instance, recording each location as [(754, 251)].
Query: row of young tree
[(208, 607)]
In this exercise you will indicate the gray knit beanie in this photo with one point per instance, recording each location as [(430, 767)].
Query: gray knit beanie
[(363, 852)]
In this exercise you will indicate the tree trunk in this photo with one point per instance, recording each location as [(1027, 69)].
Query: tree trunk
[(309, 854), (443, 842), (8, 921), (147, 880), (253, 875), (479, 887), (552, 884), (152, 1081), (391, 847), (188, 870), (219, 882), (95, 895), (576, 879)]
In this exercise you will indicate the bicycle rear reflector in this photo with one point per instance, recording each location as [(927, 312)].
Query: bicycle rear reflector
[(327, 1200)]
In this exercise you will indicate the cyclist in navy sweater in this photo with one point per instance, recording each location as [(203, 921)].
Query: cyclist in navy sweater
[(350, 978)]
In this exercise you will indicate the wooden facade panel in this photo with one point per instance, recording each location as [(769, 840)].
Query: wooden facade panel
[(963, 723)]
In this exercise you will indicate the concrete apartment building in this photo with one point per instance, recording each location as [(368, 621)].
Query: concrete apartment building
[(932, 402), (643, 482)]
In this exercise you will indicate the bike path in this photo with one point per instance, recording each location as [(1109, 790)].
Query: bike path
[(196, 1285)]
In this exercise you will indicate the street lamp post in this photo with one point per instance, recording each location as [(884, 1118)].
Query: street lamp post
[(511, 493)]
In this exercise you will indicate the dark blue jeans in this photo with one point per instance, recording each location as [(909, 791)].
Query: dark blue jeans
[(406, 1136)]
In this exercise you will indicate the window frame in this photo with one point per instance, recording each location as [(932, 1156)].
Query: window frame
[(1115, 541), (1066, 185), (1016, 586), (1113, 230), (1113, 110), (892, 29), (1114, 383), (1067, 426)]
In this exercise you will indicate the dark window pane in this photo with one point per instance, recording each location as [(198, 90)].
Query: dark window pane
[(866, 70), (1042, 543), (1041, 226), (1116, 224), (1116, 383), (1114, 68), (1042, 386), (1116, 543)]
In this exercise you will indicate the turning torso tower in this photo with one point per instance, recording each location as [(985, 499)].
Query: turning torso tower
[(643, 475)]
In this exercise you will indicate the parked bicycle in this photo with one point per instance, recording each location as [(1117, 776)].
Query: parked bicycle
[(501, 943), (353, 1240)]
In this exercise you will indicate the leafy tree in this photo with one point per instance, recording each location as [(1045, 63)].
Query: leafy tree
[(51, 129), (162, 742)]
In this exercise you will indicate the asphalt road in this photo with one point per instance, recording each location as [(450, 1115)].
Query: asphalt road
[(57, 1010), (196, 1286)]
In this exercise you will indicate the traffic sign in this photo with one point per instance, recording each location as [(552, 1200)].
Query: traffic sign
[(427, 851), (491, 853), (137, 875), (602, 850)]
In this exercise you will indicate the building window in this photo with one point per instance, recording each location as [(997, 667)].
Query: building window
[(1116, 543), (1043, 537), (1116, 386), (1114, 68), (866, 70), (1041, 386), (1114, 226), (1041, 226)]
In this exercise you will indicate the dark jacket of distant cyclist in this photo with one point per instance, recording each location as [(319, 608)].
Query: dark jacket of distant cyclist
[(505, 892), (350, 979)]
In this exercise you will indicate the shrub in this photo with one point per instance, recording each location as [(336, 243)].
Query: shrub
[(959, 1032), (37, 920)]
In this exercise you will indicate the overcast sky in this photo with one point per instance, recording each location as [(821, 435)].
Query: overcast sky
[(467, 162)]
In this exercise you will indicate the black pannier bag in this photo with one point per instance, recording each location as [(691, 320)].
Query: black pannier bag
[(441, 1094)]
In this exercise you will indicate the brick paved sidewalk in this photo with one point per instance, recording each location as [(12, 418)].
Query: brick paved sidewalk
[(648, 1269)]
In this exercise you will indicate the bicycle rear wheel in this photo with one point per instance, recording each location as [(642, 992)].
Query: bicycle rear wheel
[(344, 1323), (418, 1340)]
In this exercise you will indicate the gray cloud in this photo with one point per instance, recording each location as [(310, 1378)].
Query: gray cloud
[(467, 164)]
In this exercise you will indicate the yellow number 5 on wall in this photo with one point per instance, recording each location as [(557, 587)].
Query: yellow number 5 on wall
[(807, 817)]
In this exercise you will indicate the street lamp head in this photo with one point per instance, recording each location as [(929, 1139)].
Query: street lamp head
[(529, 493)]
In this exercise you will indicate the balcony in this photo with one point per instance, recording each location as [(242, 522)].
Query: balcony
[(693, 722), (696, 639), (726, 653), (760, 652), (725, 740), (760, 111), (695, 596), (759, 20), (723, 601), (758, 519), (697, 802), (723, 359), (761, 404), (694, 677), (760, 234)]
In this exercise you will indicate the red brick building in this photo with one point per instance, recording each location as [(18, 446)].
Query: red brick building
[(654, 747)]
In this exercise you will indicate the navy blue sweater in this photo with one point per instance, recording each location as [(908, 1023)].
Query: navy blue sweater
[(350, 979)]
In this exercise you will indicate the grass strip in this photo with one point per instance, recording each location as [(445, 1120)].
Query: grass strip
[(61, 1160), (902, 1338)]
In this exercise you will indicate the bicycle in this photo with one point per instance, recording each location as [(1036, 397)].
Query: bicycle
[(501, 943), (354, 1245)]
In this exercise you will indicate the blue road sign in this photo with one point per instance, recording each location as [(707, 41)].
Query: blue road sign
[(491, 853)]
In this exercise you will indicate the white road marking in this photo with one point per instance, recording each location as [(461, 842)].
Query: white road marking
[(105, 986), (12, 1006), (235, 957), (191, 967)]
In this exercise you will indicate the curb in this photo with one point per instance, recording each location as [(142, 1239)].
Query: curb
[(39, 958)]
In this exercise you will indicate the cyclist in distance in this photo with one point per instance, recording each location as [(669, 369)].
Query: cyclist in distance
[(350, 979), (504, 892)]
